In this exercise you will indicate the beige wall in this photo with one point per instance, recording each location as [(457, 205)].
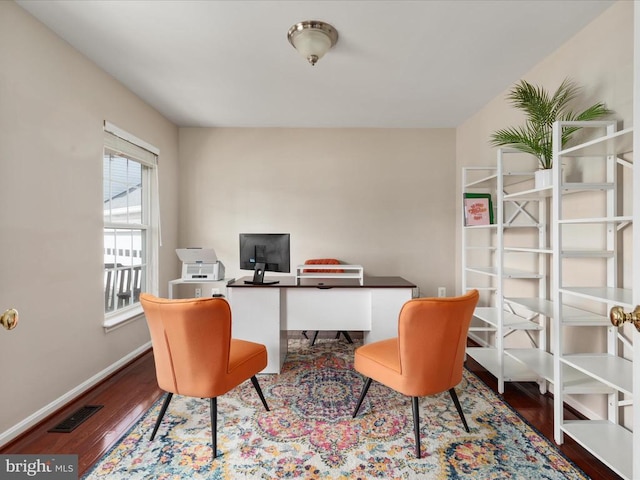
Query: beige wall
[(53, 103), (600, 58), (383, 198)]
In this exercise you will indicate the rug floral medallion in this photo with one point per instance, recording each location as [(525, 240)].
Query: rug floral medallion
[(309, 432)]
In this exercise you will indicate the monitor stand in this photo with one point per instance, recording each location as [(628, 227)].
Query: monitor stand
[(258, 276)]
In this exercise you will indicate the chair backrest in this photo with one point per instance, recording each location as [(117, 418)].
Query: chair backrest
[(323, 261), (432, 335), (191, 341)]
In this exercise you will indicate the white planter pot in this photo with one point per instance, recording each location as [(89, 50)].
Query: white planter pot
[(543, 178)]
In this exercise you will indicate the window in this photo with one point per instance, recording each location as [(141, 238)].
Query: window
[(130, 236)]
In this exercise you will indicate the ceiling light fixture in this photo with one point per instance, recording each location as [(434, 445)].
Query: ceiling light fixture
[(312, 38)]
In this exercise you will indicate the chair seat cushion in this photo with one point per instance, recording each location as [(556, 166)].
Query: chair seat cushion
[(246, 359), (380, 361)]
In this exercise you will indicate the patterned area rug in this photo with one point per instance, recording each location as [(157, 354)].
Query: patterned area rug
[(309, 432)]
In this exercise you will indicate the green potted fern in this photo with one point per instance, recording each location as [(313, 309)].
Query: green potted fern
[(541, 110)]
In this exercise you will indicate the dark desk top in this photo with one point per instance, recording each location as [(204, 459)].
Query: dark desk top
[(369, 282)]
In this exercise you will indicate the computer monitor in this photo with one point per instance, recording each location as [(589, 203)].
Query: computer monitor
[(262, 252)]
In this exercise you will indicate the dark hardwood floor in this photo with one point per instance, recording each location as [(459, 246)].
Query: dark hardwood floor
[(126, 396), (537, 409), (129, 393)]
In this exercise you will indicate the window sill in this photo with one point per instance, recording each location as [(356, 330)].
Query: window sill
[(122, 318)]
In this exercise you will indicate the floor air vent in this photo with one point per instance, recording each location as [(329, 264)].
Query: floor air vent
[(72, 422)]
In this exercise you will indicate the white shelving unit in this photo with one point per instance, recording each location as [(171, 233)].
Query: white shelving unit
[(497, 314), (523, 211), (596, 203), (525, 215)]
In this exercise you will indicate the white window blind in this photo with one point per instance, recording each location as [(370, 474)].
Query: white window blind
[(120, 141)]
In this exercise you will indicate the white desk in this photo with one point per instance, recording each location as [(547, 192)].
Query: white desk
[(265, 313)]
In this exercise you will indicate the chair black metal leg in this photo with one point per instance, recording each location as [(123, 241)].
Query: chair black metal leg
[(214, 426), (365, 389), (337, 335), (304, 334), (167, 400), (256, 385), (314, 338), (416, 424), (347, 336), (454, 397)]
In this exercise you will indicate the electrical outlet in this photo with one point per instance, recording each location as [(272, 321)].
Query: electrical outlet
[(198, 292), (442, 291)]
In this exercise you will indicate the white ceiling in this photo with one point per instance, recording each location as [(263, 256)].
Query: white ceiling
[(421, 64)]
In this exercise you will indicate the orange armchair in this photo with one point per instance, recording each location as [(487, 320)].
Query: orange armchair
[(195, 355), (427, 356)]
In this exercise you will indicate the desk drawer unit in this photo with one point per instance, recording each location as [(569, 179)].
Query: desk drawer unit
[(386, 304), (327, 309), (256, 316)]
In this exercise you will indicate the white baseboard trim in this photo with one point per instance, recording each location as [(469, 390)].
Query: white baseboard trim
[(478, 340), (579, 406), (569, 400), (52, 407)]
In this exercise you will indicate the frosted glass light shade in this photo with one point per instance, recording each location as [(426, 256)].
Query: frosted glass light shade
[(312, 39)]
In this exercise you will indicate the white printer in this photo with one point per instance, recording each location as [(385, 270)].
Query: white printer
[(200, 264)]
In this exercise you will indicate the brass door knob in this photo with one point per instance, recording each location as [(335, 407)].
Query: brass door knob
[(9, 319), (618, 316)]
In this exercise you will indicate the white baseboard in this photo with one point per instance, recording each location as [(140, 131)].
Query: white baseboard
[(579, 406), (60, 402), (478, 340), (569, 400)]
